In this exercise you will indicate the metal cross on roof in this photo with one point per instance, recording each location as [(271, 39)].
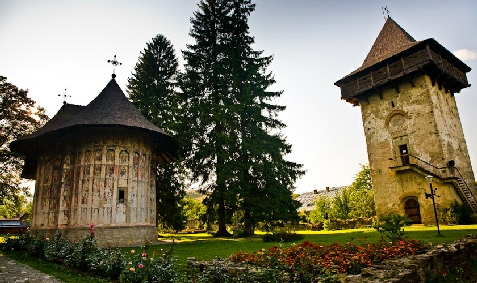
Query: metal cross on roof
[(114, 62), (64, 96), (385, 12)]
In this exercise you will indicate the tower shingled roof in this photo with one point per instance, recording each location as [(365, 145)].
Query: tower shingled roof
[(394, 55), (392, 39), (109, 108)]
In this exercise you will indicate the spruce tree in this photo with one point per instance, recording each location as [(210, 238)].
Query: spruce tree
[(152, 90), (236, 149)]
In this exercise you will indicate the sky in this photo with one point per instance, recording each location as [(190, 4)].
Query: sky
[(49, 46)]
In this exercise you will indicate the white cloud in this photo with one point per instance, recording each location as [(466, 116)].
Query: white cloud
[(465, 54)]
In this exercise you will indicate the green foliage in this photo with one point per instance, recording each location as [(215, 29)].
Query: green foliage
[(361, 194), (19, 116), (194, 209), (84, 253), (456, 213), (229, 124), (321, 211), (149, 267), (151, 90), (391, 225), (58, 249), (341, 205), (351, 202), (282, 237)]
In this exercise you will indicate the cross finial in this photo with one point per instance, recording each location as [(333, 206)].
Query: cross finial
[(114, 62), (64, 96), (385, 12)]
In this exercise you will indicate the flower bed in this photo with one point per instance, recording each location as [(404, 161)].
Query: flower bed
[(322, 259)]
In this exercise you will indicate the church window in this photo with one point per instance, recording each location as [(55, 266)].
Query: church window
[(121, 195)]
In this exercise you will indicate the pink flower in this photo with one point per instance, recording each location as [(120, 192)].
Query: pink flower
[(140, 265), (91, 225), (143, 255)]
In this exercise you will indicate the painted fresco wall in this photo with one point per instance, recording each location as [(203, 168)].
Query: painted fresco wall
[(103, 178)]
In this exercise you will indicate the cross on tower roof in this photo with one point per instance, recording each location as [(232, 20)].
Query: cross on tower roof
[(64, 96), (114, 62), (385, 12)]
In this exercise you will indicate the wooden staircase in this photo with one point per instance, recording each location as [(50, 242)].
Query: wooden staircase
[(449, 174), (465, 191)]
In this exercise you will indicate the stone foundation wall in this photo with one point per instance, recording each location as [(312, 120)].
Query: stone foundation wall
[(110, 236)]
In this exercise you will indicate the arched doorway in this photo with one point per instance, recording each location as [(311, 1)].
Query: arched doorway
[(412, 210)]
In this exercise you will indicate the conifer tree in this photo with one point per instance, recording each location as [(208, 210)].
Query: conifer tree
[(151, 90), (237, 150)]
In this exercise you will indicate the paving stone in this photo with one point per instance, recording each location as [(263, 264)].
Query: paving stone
[(14, 272)]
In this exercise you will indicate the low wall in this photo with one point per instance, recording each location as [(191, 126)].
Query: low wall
[(110, 236), (418, 268)]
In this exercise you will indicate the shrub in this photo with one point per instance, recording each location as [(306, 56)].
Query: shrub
[(58, 249), (149, 268), (84, 253), (108, 263), (35, 245), (391, 225), (283, 237)]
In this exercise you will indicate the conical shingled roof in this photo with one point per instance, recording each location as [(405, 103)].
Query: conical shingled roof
[(392, 40), (109, 108)]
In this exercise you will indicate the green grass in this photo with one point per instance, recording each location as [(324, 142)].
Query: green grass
[(206, 247)]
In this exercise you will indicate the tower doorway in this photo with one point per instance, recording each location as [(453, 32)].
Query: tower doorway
[(412, 210)]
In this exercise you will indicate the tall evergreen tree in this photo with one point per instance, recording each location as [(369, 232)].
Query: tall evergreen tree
[(152, 90), (237, 150)]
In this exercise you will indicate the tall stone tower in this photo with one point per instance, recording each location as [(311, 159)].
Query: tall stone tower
[(405, 89), (95, 164)]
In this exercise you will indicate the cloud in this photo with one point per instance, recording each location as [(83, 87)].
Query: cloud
[(465, 54)]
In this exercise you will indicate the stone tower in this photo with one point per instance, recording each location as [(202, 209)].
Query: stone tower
[(405, 89), (95, 164)]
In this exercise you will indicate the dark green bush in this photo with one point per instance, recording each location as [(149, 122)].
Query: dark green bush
[(391, 225), (282, 237)]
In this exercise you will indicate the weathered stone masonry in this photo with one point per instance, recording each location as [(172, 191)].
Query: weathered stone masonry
[(405, 89)]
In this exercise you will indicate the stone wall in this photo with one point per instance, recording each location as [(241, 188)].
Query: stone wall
[(419, 268), (423, 119), (110, 236)]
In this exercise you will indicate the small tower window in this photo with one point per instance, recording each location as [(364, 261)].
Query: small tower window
[(392, 104), (404, 154)]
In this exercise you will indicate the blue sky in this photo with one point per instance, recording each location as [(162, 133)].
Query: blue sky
[(47, 46)]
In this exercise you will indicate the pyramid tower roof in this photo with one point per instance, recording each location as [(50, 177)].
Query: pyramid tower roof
[(392, 39), (110, 108), (396, 54)]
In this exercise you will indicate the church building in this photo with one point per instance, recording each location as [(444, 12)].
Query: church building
[(96, 165), (405, 89)]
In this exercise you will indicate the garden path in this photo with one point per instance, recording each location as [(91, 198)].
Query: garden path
[(15, 272)]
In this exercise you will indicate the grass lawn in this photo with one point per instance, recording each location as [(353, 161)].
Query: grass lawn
[(206, 247)]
